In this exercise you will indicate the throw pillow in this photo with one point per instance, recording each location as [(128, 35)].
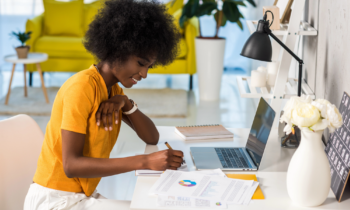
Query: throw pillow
[(63, 18), (90, 11)]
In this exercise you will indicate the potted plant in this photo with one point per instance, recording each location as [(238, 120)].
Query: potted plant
[(210, 50), (22, 51)]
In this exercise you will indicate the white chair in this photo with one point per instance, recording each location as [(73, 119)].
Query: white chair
[(20, 144)]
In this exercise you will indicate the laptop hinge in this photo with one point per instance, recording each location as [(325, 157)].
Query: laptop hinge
[(252, 158)]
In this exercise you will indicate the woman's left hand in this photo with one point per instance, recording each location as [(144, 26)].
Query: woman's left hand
[(106, 110)]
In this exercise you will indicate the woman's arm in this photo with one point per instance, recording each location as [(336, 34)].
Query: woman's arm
[(143, 126), (77, 165)]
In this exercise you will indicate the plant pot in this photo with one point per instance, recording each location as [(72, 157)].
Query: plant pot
[(22, 52), (210, 63), (309, 177)]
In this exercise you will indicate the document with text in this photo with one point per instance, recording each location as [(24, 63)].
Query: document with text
[(202, 186)]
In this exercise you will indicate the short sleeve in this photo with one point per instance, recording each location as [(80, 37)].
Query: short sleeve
[(78, 102)]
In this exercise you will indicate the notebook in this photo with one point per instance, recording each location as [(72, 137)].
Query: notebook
[(196, 132)]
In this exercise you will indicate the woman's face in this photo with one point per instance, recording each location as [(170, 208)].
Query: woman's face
[(133, 70)]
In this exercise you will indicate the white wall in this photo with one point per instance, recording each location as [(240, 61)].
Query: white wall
[(328, 54)]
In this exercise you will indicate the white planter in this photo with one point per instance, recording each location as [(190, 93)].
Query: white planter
[(210, 65), (308, 177)]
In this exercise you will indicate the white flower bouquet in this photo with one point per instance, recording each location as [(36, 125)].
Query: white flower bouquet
[(308, 114)]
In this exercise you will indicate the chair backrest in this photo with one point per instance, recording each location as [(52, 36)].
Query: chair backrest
[(20, 145)]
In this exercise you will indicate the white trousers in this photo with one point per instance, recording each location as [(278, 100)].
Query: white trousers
[(42, 198)]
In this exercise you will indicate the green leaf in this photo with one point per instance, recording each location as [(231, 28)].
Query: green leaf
[(252, 2), (239, 23), (223, 20), (194, 7), (241, 16), (205, 1), (182, 21), (240, 3), (206, 8), (231, 11)]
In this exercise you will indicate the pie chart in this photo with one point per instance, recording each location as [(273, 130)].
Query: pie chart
[(187, 183)]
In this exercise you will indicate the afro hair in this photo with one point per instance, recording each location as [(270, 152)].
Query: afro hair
[(133, 27)]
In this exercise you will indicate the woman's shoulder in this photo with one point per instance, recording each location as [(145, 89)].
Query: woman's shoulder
[(84, 77)]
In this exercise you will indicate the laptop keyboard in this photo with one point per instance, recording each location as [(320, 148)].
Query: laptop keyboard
[(232, 158)]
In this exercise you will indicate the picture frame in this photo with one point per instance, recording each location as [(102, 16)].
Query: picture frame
[(285, 9)]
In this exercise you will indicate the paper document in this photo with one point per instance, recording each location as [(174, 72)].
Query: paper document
[(187, 202), (202, 186), (146, 172)]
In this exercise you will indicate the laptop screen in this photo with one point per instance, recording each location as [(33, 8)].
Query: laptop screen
[(260, 131)]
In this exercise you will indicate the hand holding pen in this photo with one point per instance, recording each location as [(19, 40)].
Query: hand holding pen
[(165, 159)]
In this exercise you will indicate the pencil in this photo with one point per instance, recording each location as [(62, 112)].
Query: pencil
[(168, 145)]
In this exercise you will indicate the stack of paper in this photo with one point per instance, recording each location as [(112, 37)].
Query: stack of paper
[(193, 189), (145, 172)]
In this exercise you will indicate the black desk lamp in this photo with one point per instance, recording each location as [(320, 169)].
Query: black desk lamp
[(259, 47)]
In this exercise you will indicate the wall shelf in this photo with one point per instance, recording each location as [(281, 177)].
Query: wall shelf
[(267, 92), (304, 29)]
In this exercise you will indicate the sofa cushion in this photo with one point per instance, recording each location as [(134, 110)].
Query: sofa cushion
[(183, 49), (62, 47), (90, 10), (63, 18), (72, 47)]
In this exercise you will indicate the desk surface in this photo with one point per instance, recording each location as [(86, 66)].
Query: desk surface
[(271, 175)]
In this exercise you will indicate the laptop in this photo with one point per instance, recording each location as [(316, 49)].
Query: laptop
[(239, 158)]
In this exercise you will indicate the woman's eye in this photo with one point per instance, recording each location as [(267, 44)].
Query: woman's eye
[(140, 63)]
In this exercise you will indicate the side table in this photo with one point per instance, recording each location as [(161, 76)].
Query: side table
[(36, 58)]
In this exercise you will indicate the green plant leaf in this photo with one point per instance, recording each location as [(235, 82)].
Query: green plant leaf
[(205, 1), (240, 3), (182, 21), (239, 23), (223, 20), (251, 2), (240, 15), (206, 8), (231, 11), (194, 7)]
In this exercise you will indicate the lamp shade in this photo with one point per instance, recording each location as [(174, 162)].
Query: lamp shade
[(258, 46)]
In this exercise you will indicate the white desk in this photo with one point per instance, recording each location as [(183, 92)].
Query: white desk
[(271, 175)]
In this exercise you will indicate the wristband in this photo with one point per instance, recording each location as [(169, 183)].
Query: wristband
[(133, 109)]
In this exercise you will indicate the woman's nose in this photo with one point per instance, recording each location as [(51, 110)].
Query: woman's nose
[(143, 73)]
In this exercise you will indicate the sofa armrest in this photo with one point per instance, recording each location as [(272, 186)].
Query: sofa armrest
[(34, 25), (191, 32)]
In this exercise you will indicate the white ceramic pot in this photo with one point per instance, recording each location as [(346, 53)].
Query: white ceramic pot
[(210, 65), (308, 177)]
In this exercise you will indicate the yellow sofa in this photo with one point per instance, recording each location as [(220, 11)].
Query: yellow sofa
[(67, 53)]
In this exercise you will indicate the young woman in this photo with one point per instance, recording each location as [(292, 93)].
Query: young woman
[(127, 37)]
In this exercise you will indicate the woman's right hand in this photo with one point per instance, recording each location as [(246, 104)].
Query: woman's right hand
[(165, 159)]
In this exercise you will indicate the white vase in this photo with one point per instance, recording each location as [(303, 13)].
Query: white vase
[(308, 177), (210, 65)]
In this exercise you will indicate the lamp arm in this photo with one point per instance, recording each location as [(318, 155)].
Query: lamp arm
[(268, 31), (301, 62)]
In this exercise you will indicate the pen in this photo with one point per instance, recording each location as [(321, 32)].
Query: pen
[(169, 147)]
